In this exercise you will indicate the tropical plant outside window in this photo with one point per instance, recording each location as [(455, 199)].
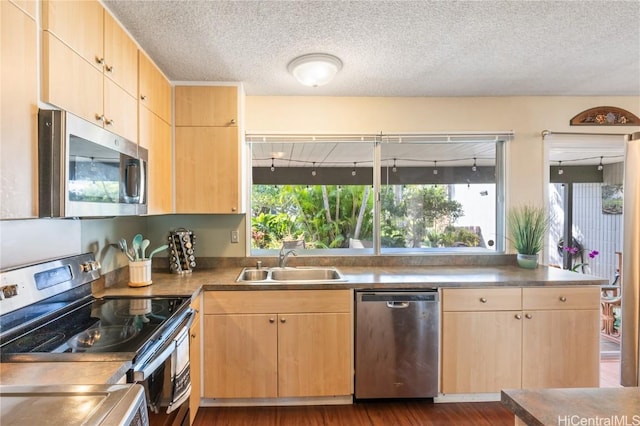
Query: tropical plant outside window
[(320, 192)]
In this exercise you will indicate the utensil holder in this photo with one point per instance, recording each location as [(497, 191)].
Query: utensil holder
[(140, 273)]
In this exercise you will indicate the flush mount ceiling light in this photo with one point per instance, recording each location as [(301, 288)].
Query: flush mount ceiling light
[(315, 69)]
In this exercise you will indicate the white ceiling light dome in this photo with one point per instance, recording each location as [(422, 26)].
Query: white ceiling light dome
[(315, 69)]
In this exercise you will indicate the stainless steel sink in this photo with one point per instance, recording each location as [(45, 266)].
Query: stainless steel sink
[(253, 275), (300, 275), (304, 274)]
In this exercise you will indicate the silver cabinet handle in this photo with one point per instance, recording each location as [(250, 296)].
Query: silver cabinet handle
[(528, 316), (563, 299), (100, 117), (109, 122), (483, 299), (518, 316), (272, 320), (283, 320)]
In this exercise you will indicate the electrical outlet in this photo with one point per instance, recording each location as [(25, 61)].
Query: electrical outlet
[(234, 236)]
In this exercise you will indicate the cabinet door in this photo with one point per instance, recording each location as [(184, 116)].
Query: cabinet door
[(120, 56), (69, 81), (206, 106), (481, 351), (240, 356), (560, 349), (314, 355), (120, 111), (155, 136), (79, 24), (155, 90), (195, 347), (207, 170), (18, 114)]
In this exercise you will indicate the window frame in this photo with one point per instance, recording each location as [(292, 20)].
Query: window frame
[(499, 138)]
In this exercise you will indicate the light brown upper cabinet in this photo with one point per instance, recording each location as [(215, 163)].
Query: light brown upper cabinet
[(155, 90), (207, 170), (215, 106), (155, 136), (207, 150), (154, 121), (90, 65), (120, 56), (28, 6), (18, 113)]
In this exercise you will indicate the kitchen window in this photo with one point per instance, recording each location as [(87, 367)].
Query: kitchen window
[(431, 193)]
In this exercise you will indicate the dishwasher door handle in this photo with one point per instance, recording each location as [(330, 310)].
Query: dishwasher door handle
[(397, 305)]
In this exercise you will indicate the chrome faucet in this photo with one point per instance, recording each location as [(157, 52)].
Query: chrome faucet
[(284, 255)]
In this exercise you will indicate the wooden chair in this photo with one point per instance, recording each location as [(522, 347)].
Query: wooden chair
[(610, 301)]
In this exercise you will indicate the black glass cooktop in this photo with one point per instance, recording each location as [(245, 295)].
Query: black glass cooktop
[(102, 325)]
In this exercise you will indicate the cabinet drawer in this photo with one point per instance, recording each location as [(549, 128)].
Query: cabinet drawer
[(561, 298), (481, 299), (276, 301)]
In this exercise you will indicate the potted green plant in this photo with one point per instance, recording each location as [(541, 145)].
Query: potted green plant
[(527, 227)]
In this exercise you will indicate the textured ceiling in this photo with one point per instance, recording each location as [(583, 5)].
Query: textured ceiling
[(397, 48)]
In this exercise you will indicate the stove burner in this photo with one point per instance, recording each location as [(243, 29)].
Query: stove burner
[(40, 339), (103, 337)]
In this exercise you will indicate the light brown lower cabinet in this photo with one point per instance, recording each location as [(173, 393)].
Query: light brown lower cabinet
[(481, 351), (277, 344), (561, 349), (498, 338)]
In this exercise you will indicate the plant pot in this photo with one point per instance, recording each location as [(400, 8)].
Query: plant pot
[(527, 261)]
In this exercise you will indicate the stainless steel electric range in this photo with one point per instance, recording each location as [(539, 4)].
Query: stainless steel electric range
[(49, 314)]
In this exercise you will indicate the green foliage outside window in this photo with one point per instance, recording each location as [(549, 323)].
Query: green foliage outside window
[(327, 216)]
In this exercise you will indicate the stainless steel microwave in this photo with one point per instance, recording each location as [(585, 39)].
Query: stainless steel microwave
[(87, 171)]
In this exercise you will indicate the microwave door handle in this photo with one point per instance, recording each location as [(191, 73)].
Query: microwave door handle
[(132, 179)]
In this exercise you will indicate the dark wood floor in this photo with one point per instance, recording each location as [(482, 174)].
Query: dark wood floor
[(401, 413)]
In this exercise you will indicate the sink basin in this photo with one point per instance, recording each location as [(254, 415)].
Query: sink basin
[(302, 275), (253, 275)]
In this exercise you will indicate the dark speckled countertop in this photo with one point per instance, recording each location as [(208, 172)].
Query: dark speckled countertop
[(361, 277), (577, 406)]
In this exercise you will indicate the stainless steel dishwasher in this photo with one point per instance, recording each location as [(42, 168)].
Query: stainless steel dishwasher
[(397, 334)]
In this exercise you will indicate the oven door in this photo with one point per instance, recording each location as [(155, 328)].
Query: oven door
[(164, 370)]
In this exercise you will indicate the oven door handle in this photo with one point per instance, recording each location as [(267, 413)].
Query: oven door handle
[(164, 353)]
